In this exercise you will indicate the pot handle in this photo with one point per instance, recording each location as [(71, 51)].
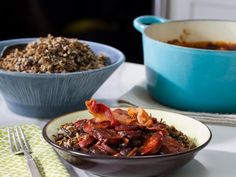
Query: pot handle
[(140, 23)]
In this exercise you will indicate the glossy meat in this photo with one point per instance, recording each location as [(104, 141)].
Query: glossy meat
[(119, 132)]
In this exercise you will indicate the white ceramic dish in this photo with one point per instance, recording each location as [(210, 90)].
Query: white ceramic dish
[(136, 166)]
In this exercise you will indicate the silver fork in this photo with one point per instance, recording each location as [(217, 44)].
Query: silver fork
[(19, 145)]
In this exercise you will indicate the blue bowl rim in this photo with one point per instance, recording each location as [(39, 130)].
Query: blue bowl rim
[(97, 156), (119, 61), (190, 49)]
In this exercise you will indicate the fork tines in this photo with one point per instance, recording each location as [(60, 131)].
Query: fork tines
[(17, 140)]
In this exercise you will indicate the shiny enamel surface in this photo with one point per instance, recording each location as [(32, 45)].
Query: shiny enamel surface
[(187, 78)]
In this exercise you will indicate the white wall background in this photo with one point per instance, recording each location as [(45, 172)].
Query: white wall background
[(196, 9)]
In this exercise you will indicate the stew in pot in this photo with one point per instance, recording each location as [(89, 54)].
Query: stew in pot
[(217, 45)]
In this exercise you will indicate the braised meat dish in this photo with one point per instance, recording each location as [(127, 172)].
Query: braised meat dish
[(120, 132)]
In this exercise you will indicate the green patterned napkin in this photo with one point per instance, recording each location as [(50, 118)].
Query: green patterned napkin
[(46, 158)]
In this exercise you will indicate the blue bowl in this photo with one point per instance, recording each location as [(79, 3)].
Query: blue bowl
[(50, 95), (188, 78)]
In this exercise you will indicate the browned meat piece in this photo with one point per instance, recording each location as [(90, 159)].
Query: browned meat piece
[(123, 117), (80, 123), (85, 140), (105, 149), (141, 116), (127, 127), (159, 127), (90, 125), (107, 136), (101, 112), (171, 145), (132, 134), (121, 111), (152, 144)]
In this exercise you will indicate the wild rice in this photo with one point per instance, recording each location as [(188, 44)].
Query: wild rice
[(53, 55)]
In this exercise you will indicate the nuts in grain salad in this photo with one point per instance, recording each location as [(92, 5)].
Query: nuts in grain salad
[(53, 55)]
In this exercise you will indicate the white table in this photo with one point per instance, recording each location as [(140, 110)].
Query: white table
[(218, 159)]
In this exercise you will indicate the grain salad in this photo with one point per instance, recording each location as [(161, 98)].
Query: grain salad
[(53, 55)]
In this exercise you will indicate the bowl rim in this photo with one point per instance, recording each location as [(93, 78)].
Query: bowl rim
[(99, 156), (118, 62), (190, 49)]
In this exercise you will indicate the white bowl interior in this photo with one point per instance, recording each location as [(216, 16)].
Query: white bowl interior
[(204, 30), (191, 127)]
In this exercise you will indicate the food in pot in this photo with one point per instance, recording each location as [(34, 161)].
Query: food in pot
[(119, 132), (218, 45), (53, 55)]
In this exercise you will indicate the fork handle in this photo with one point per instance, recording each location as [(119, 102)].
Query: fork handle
[(34, 171)]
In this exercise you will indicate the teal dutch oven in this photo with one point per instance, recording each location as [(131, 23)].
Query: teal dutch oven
[(185, 78)]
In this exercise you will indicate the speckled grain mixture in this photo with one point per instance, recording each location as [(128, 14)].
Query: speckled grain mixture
[(53, 55)]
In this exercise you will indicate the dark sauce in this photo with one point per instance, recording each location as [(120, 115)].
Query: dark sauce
[(218, 45)]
